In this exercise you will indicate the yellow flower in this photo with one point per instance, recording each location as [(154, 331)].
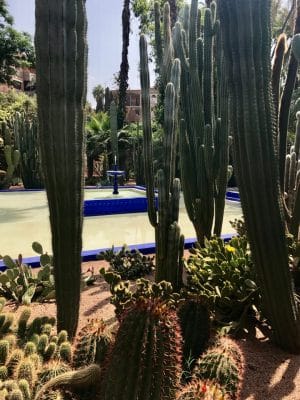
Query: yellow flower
[(230, 248)]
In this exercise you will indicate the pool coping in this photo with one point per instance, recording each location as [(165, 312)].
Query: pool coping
[(90, 255)]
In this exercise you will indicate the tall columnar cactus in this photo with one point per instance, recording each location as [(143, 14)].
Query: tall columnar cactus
[(11, 158), (114, 131), (246, 41), (25, 131), (169, 241), (204, 126), (291, 184), (61, 54)]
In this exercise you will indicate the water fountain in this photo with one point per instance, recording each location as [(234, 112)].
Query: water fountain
[(115, 173)]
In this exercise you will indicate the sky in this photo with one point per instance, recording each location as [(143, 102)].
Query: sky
[(104, 39)]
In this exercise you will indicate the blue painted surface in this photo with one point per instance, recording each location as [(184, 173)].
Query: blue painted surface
[(115, 206), (90, 255), (233, 195)]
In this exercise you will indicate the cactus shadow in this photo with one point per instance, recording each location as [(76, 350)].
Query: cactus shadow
[(269, 372)]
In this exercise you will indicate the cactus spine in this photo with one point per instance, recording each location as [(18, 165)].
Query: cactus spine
[(61, 91), (169, 240), (26, 135), (253, 127), (204, 126)]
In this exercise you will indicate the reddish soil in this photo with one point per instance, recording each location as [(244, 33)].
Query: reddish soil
[(269, 373)]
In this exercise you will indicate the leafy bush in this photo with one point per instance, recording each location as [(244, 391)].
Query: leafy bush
[(223, 273), (129, 264)]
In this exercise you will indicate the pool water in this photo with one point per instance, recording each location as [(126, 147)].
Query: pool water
[(24, 218)]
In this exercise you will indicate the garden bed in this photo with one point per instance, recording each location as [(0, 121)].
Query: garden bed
[(269, 373)]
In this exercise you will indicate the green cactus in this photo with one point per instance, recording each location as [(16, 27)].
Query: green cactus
[(92, 344), (203, 135), (29, 349), (11, 156), (220, 368), (253, 127), (169, 240), (4, 351), (65, 352), (50, 351), (145, 360), (61, 58), (202, 390), (195, 326), (16, 394), (291, 185), (9, 319), (25, 131), (3, 373), (26, 370), (13, 361), (62, 337), (51, 370), (22, 322), (25, 389), (42, 344)]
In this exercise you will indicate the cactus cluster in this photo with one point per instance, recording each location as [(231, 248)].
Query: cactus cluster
[(144, 362), (168, 238), (11, 157), (256, 159), (31, 354), (203, 137), (26, 134)]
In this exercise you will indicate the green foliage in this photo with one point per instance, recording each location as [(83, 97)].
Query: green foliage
[(129, 264), (13, 101), (224, 275), (16, 50)]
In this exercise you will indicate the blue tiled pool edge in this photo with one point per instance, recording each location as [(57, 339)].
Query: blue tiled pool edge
[(90, 255)]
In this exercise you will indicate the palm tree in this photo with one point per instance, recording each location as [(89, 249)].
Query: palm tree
[(98, 93), (123, 74)]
